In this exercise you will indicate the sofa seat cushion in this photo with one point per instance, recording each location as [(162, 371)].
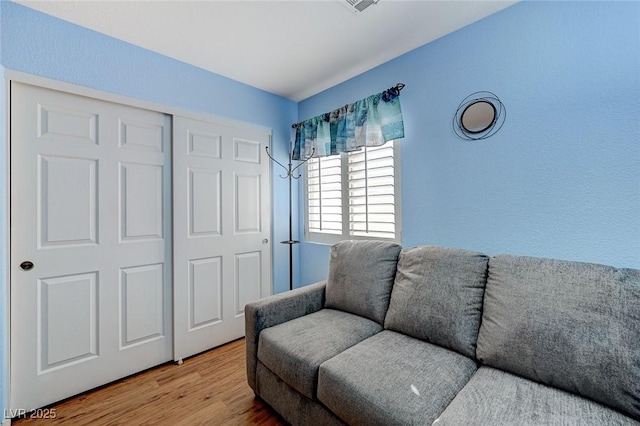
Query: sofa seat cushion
[(495, 397), (571, 325), (392, 379), (437, 296), (295, 349)]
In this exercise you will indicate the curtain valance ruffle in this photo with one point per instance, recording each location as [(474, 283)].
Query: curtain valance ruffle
[(371, 121)]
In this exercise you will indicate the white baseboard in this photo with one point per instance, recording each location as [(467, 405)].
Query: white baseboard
[(6, 422)]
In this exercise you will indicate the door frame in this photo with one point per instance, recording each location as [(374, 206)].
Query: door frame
[(46, 83), (61, 86)]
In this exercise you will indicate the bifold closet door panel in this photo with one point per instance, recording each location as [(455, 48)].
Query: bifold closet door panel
[(91, 271), (222, 230)]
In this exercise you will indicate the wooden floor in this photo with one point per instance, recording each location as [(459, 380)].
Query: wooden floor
[(208, 389)]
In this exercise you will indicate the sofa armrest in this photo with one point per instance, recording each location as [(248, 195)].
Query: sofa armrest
[(274, 310)]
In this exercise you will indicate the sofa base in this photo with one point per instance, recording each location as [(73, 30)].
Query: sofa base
[(294, 407)]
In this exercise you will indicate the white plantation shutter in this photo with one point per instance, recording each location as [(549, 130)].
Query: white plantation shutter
[(371, 192), (354, 195), (324, 195)]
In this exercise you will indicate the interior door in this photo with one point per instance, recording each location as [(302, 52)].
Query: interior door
[(90, 243), (222, 227)]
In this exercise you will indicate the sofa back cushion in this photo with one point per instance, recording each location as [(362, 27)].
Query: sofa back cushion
[(571, 325), (361, 276), (437, 296)]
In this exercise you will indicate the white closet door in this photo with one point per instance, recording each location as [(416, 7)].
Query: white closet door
[(222, 227), (90, 210)]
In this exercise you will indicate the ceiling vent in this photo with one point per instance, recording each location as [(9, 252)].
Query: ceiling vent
[(357, 6)]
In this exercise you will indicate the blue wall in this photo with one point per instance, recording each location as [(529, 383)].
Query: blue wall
[(42, 45), (561, 178)]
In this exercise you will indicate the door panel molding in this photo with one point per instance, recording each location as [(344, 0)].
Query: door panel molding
[(79, 344)]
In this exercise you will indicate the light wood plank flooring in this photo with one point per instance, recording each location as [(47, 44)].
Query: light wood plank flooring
[(208, 389)]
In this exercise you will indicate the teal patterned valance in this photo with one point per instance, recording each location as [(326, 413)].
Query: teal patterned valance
[(371, 121)]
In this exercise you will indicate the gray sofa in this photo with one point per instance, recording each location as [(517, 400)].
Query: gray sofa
[(431, 335)]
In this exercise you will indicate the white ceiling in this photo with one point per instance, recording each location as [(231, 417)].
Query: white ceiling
[(294, 49)]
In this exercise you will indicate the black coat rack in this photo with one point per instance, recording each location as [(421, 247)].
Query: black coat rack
[(290, 174)]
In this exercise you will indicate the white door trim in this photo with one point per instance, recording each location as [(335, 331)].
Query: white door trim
[(6, 224), (88, 92)]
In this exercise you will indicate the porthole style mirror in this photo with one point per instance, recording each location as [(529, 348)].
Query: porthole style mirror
[(479, 116)]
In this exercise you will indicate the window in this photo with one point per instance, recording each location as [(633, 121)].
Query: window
[(354, 195)]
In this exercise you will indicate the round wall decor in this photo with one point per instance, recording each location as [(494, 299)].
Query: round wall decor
[(479, 115)]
